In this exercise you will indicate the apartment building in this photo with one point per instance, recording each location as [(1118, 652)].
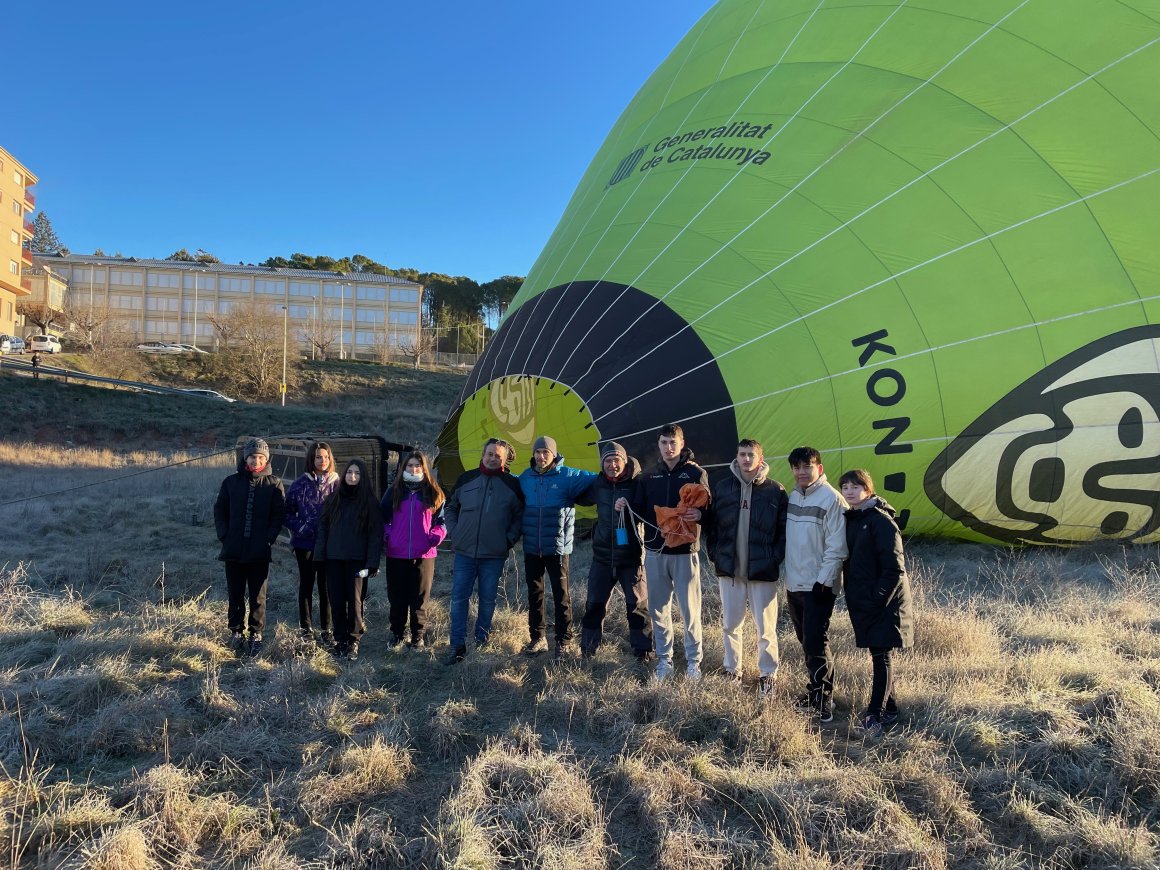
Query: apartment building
[(44, 285), (17, 203), (166, 300)]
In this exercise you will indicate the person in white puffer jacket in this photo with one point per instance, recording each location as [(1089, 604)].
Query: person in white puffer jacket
[(815, 548)]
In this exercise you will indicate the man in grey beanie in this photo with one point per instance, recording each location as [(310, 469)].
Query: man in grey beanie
[(617, 557), (550, 489), (248, 517)]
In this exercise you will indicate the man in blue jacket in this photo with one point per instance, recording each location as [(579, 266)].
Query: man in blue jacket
[(550, 489)]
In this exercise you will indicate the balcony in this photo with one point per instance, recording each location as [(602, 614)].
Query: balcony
[(26, 255), (29, 229), (30, 197)]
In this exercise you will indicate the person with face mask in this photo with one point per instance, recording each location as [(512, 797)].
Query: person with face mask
[(304, 502), (483, 523), (248, 517), (413, 527), (350, 542)]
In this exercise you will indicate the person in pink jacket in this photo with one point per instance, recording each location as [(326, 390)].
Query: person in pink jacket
[(412, 529)]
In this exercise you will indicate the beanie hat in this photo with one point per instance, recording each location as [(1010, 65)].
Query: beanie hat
[(256, 447), (546, 441), (612, 448)]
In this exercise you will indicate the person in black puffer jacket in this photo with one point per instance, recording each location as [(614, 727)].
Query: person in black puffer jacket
[(248, 516), (615, 562), (745, 535), (877, 593), (350, 542)]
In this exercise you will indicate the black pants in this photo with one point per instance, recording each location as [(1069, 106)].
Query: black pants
[(557, 570), (602, 579), (311, 574), (408, 588), (810, 613), (345, 589), (243, 578), (882, 687)]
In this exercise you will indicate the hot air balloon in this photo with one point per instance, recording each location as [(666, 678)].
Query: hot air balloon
[(922, 238)]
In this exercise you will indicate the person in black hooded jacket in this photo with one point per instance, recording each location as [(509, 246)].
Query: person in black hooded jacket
[(615, 562), (877, 592), (350, 542), (248, 516)]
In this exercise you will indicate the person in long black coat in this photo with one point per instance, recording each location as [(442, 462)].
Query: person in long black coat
[(877, 592)]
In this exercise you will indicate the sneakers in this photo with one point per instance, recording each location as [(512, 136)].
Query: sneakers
[(394, 642), (693, 672), (731, 676), (822, 708), (889, 716), (458, 654), (418, 642), (238, 642), (870, 728), (765, 686), (535, 647), (327, 639), (643, 655), (255, 646), (663, 672), (306, 634), (352, 652)]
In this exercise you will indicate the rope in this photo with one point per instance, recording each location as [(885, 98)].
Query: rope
[(115, 479)]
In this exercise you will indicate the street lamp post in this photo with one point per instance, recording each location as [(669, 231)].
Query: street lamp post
[(92, 275), (285, 334), (341, 317), (195, 271)]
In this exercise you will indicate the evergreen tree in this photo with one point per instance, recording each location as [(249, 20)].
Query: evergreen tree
[(44, 239)]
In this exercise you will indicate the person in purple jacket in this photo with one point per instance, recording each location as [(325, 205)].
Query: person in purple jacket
[(303, 507), (412, 528)]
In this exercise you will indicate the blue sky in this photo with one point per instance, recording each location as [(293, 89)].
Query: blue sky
[(443, 136)]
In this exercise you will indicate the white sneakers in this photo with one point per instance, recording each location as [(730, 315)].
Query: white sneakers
[(693, 672), (664, 672)]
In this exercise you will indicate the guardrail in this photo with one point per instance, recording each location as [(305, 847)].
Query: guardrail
[(70, 375)]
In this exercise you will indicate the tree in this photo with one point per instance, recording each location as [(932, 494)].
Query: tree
[(199, 256), (498, 294), (419, 344), (44, 239), (89, 319), (39, 314), (250, 335), (320, 334)]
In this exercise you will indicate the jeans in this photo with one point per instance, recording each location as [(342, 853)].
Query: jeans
[(810, 613), (464, 573), (556, 567), (243, 577), (408, 588), (311, 574), (602, 579), (882, 687)]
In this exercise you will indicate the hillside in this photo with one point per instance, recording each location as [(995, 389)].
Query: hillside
[(397, 401)]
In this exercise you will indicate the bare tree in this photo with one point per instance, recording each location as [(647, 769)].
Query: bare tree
[(112, 348), (251, 340), (320, 334), (39, 314), (88, 319), (418, 345)]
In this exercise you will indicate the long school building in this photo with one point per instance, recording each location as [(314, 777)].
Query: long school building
[(160, 300)]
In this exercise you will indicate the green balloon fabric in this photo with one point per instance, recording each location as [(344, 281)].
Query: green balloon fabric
[(922, 238)]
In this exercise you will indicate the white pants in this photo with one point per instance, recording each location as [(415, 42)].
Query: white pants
[(667, 575), (761, 596)]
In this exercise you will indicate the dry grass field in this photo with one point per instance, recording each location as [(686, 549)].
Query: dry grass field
[(132, 738)]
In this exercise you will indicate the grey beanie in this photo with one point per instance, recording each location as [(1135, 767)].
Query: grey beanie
[(612, 448), (546, 441), (256, 447)]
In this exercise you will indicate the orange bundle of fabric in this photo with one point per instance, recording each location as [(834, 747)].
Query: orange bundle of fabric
[(676, 529)]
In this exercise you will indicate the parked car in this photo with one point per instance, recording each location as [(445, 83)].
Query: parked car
[(18, 345), (5, 344), (189, 348), (211, 394), (158, 347), (44, 344)]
